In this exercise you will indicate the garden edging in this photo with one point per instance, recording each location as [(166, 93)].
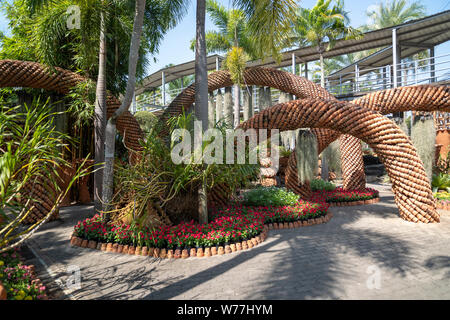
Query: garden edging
[(353, 203), (196, 252)]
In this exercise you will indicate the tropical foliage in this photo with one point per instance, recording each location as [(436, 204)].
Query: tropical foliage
[(30, 148), (321, 26), (441, 181), (39, 32), (156, 180)]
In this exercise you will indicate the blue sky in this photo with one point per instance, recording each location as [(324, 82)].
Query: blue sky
[(175, 46)]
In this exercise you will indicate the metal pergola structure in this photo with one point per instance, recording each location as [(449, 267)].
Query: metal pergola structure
[(396, 43)]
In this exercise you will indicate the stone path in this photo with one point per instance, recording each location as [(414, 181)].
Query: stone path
[(364, 252)]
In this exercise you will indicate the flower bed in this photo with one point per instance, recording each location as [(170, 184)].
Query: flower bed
[(443, 204), (18, 280), (231, 229), (343, 197)]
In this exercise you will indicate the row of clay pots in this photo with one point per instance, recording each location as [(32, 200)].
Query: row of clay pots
[(303, 223), (195, 252), (353, 203), (442, 205), (170, 253)]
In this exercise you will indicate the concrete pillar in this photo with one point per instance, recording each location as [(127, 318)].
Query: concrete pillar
[(293, 63), (432, 66), (248, 102), (396, 67), (219, 105), (268, 97), (163, 88), (306, 70), (396, 59), (261, 98), (228, 106), (211, 110)]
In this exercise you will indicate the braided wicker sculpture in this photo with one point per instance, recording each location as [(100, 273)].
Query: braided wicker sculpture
[(290, 83), (409, 181), (34, 75)]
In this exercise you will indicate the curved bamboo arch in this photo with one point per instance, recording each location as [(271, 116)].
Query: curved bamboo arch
[(409, 181), (15, 73)]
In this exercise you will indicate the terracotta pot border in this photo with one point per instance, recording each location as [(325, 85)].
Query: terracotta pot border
[(354, 203), (200, 252)]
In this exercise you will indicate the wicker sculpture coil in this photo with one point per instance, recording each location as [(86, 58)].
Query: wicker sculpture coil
[(359, 119), (317, 109), (34, 75)]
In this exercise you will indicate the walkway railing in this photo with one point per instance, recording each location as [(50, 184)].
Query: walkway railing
[(412, 72), (360, 81)]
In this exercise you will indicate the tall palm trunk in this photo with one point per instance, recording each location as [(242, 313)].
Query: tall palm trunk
[(108, 173), (237, 114), (322, 71), (201, 94), (100, 116), (324, 162)]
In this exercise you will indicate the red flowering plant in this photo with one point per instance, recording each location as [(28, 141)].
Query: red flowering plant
[(341, 195), (92, 229), (232, 223), (121, 233)]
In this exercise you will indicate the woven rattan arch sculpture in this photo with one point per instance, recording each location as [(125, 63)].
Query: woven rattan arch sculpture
[(301, 88), (389, 101), (409, 181), (417, 98), (34, 75)]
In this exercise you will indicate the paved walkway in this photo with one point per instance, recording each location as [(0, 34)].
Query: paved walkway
[(364, 252)]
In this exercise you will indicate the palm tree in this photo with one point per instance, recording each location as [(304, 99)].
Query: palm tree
[(268, 22), (389, 14), (320, 25), (110, 133), (239, 34), (201, 94), (232, 33), (102, 21)]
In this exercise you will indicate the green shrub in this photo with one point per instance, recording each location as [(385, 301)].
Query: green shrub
[(442, 195), (270, 196), (441, 181), (322, 185)]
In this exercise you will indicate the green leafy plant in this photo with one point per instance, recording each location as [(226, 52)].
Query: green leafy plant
[(155, 180), (269, 196), (322, 185), (441, 181), (442, 195), (30, 148)]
